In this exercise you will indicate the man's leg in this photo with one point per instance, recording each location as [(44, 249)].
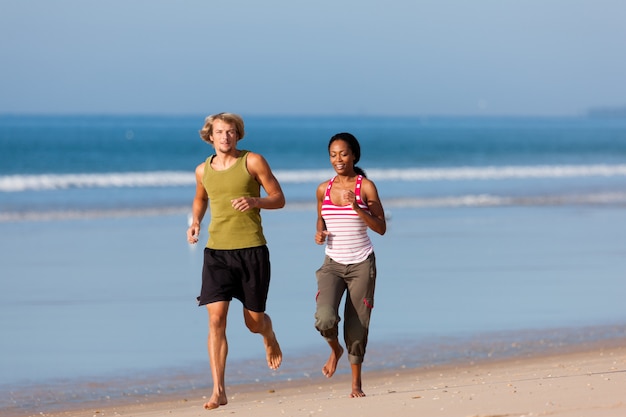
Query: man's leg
[(261, 323), (218, 350)]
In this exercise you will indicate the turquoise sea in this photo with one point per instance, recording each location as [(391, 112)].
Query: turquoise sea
[(506, 236)]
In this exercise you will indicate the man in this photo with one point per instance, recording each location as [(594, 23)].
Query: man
[(236, 258)]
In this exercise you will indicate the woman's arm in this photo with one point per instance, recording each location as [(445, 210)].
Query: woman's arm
[(375, 219), (321, 232)]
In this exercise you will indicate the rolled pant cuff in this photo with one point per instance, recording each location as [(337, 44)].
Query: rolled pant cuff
[(355, 360)]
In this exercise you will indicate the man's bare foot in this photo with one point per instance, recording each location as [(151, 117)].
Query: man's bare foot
[(272, 352), (330, 366), (216, 401), (356, 393)]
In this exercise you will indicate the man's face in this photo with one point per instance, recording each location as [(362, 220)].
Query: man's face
[(224, 136)]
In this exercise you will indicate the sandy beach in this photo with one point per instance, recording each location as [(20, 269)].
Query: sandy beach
[(585, 381)]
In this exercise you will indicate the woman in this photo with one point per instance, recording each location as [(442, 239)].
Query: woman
[(347, 206)]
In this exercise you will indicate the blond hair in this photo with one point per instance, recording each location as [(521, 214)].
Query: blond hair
[(231, 118)]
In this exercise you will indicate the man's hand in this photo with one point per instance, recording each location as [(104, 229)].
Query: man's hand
[(244, 203), (193, 232)]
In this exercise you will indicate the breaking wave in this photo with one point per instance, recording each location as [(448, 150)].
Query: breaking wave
[(18, 183), (469, 200)]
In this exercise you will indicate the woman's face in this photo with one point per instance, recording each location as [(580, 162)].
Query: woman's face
[(341, 157)]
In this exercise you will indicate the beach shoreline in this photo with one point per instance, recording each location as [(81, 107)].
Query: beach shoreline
[(586, 379), (477, 285)]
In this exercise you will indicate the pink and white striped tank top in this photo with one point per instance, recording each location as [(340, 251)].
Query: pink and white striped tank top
[(348, 242)]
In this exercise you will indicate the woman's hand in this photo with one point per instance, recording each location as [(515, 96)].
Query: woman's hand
[(320, 237), (348, 198)]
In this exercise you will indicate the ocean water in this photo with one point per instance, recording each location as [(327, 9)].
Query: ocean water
[(59, 164), (505, 236)]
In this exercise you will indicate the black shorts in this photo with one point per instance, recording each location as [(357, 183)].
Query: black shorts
[(243, 274)]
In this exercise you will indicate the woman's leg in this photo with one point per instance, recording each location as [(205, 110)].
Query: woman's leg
[(361, 281), (330, 287)]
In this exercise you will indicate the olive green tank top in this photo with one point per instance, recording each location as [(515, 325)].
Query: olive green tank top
[(230, 228)]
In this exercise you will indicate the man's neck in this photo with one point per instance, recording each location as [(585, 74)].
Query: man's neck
[(224, 160)]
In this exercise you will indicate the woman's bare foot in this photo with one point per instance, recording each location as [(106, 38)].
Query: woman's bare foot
[(330, 366), (272, 352), (356, 393), (215, 401)]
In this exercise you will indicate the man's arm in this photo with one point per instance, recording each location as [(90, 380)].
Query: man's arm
[(198, 207), (261, 171)]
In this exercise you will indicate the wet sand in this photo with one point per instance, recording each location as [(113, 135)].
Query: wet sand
[(581, 381)]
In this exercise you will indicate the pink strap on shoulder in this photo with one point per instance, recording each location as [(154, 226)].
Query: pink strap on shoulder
[(330, 184), (357, 187)]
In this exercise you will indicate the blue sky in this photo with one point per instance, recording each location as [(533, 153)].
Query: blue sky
[(409, 57)]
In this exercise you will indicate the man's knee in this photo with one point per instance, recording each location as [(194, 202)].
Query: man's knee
[(217, 317), (255, 322)]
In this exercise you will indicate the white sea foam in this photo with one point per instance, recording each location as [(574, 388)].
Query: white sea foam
[(16, 183), (466, 173), (469, 200), (487, 200), (497, 173), (13, 183), (52, 215)]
